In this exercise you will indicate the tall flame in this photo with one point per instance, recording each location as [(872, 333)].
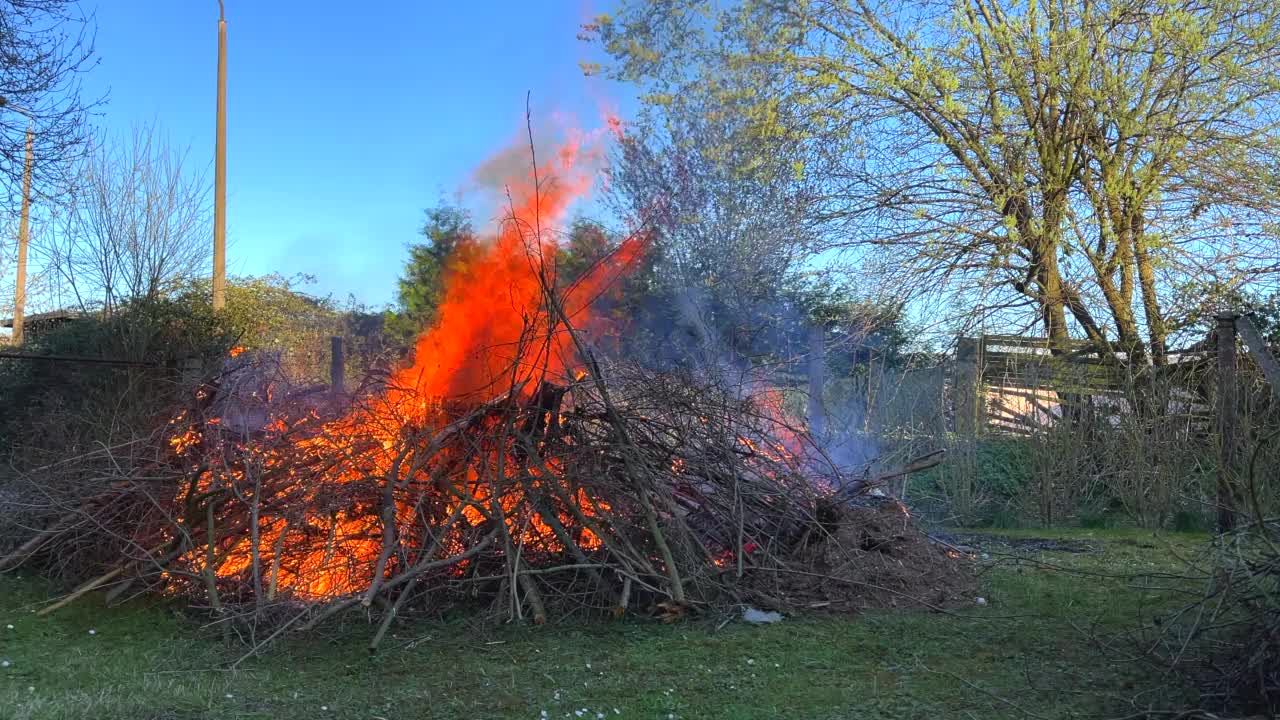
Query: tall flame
[(494, 293), (497, 329)]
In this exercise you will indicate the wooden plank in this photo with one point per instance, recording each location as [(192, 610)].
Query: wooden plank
[(76, 360), (1060, 382), (1030, 341), (997, 356)]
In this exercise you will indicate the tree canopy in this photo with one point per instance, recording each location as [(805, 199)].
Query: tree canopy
[(1096, 167), (446, 230)]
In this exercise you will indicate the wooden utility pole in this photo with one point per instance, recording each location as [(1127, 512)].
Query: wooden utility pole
[(24, 231), (220, 172), (1227, 383)]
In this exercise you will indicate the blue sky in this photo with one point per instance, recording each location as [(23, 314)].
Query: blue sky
[(345, 120)]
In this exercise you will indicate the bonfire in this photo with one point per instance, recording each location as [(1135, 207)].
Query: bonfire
[(510, 464)]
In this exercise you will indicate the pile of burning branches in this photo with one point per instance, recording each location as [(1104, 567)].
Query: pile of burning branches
[(509, 465), (657, 497)]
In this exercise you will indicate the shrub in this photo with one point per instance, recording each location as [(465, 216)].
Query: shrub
[(1227, 641), (62, 407), (1003, 471)]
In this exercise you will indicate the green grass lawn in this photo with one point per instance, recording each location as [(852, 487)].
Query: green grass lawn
[(1023, 654)]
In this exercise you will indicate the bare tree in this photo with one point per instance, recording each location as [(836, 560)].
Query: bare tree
[(45, 46), (730, 233), (135, 223)]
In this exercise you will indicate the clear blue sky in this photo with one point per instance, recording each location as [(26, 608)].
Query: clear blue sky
[(345, 119)]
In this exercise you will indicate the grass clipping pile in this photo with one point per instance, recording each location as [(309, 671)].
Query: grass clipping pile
[(650, 495)]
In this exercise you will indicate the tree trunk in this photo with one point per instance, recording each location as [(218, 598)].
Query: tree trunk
[(1150, 301)]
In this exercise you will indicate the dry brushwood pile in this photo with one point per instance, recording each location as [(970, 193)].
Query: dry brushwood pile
[(509, 467), (1225, 641), (663, 497)]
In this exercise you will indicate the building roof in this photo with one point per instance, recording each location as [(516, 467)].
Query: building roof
[(52, 316)]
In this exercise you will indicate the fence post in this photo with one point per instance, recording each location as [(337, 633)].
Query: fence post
[(1227, 440), (1256, 345), (337, 364), (190, 369), (817, 381), (967, 387)]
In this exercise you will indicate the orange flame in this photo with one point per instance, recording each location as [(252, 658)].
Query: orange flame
[(495, 330)]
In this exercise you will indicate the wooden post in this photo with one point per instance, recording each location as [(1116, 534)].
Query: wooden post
[(337, 364), (969, 405), (1227, 440), (817, 380), (968, 387), (1257, 347), (191, 371), (220, 172), (24, 234)]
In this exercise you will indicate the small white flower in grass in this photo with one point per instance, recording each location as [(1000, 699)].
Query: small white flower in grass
[(4, 663), (229, 696), (750, 661), (92, 631), (8, 627), (588, 666), (31, 688), (599, 716), (616, 711), (544, 713), (980, 601), (324, 708)]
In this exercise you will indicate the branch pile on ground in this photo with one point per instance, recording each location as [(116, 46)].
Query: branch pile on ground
[(508, 465), (655, 495), (1225, 642)]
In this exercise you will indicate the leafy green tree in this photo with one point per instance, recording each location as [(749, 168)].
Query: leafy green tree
[(447, 229), (273, 313), (1066, 164), (858, 330), (586, 245)]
